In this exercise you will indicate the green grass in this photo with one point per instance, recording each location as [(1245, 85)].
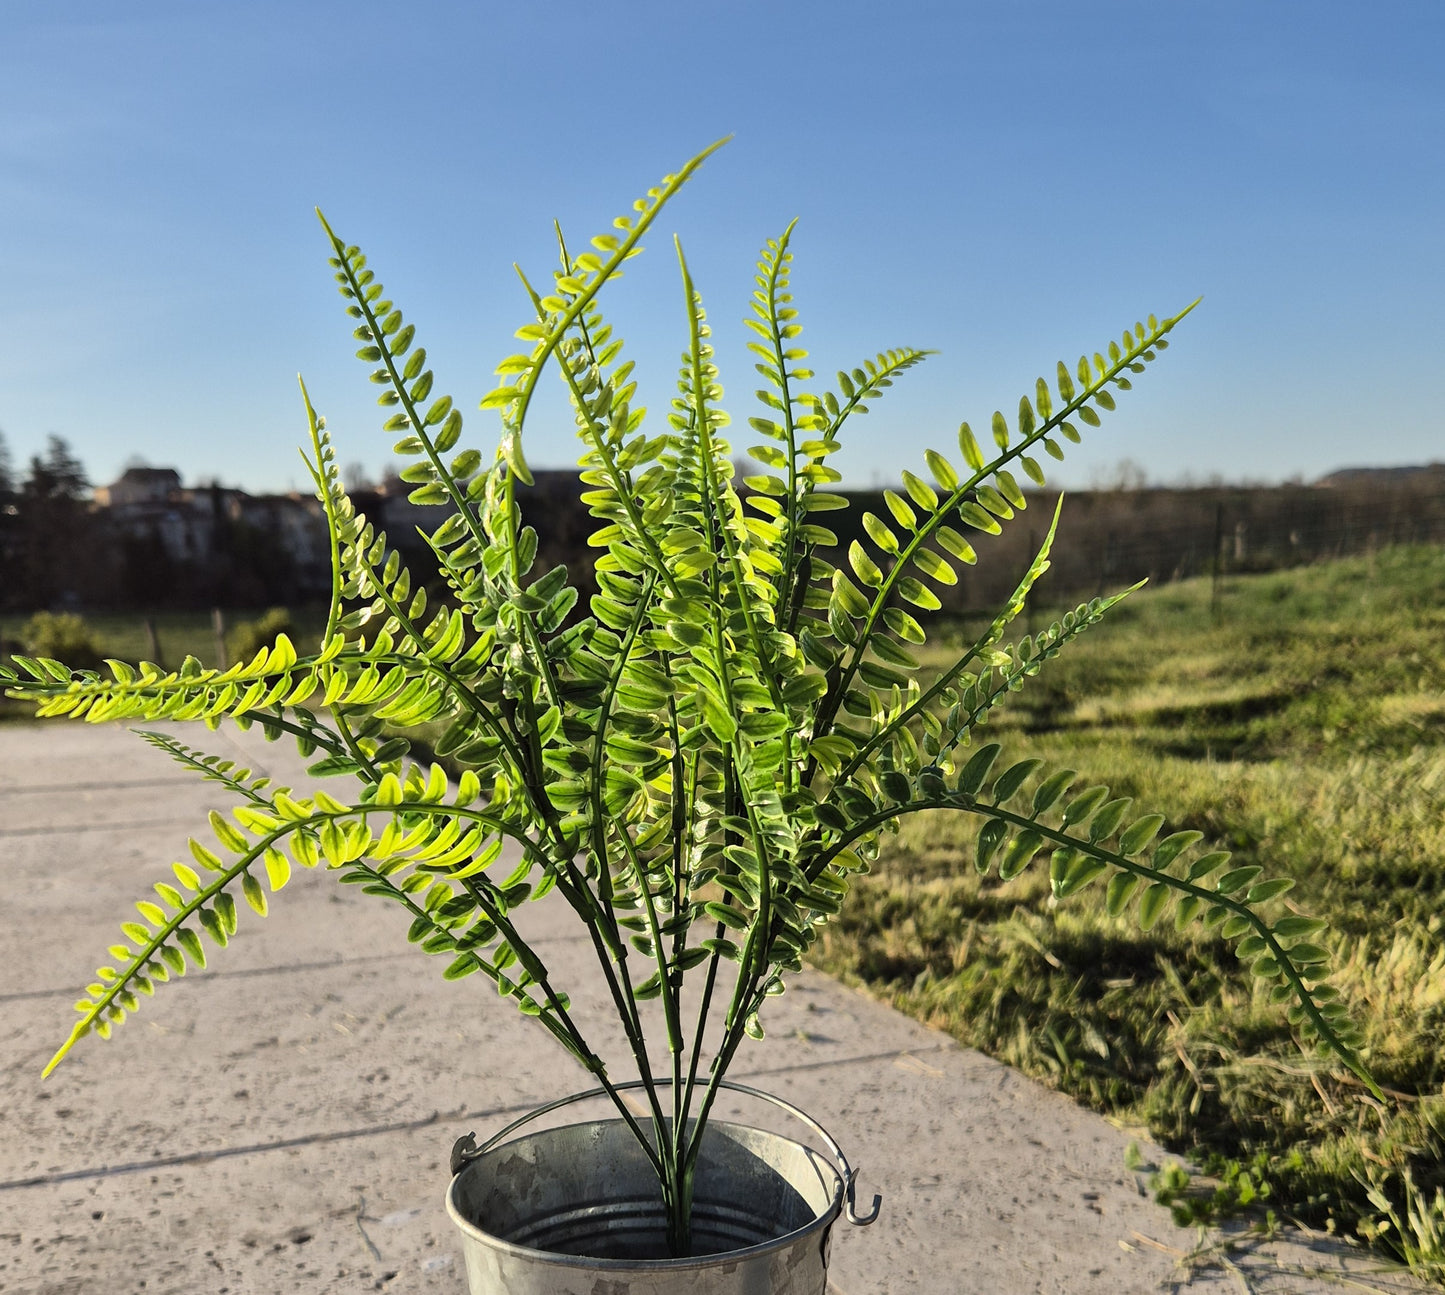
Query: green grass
[(1303, 728)]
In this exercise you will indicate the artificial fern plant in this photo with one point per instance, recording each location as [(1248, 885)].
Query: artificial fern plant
[(699, 765)]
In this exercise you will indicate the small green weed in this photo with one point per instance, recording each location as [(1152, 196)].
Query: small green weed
[(63, 636), (1235, 1189), (1410, 1222)]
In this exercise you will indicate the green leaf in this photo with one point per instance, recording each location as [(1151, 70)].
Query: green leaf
[(891, 652), (990, 837), (1237, 879), (212, 862), (191, 943), (934, 566), (878, 675), (969, 446), (1208, 863), (255, 896), (1106, 822), (994, 501), (1079, 870), (1267, 890), (942, 470), (1122, 886), (974, 773), (226, 912), (879, 533), (902, 513), (917, 593), (1052, 787), (902, 624), (278, 868), (1020, 853), (1043, 399), (1187, 911), (1171, 847), (460, 967), (954, 543), (1288, 928), (975, 516), (920, 491), (1153, 903), (1138, 834), (727, 915), (895, 786), (863, 566), (1012, 779)]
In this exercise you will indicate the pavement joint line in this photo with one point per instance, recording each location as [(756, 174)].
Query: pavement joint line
[(67, 828), (803, 1067), (194, 977), (203, 977), (346, 1135), (45, 788), (224, 1153)]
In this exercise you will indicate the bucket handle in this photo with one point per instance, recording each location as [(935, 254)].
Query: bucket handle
[(466, 1148)]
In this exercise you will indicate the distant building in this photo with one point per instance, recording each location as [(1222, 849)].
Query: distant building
[(1429, 476), (140, 486), (205, 528)]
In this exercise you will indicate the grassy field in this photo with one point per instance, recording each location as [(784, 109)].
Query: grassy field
[(1302, 727)]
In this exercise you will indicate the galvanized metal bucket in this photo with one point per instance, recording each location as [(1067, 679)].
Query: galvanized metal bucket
[(578, 1210)]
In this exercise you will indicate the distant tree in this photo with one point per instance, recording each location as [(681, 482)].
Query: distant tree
[(57, 476), (7, 473), (57, 560), (357, 479), (1126, 474), (9, 529)]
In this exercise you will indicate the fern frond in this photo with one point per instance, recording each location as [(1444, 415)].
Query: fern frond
[(1089, 836), (575, 290), (274, 677), (441, 847), (163, 940), (988, 494), (432, 429), (212, 767), (982, 649)]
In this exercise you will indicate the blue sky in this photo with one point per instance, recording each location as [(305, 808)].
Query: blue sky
[(1007, 183)]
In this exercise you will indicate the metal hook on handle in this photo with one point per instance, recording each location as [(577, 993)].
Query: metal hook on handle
[(466, 1149), (850, 1201)]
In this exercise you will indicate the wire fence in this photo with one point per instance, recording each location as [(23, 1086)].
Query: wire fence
[(1108, 540)]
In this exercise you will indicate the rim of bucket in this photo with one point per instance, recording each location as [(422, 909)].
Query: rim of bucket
[(835, 1206), (466, 1149)]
